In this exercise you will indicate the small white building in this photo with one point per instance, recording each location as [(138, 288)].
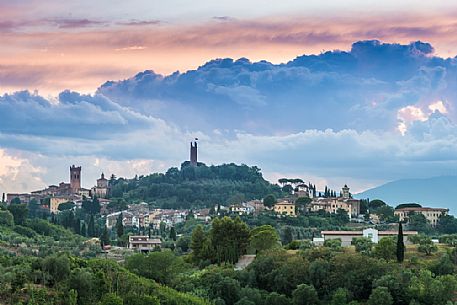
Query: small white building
[(346, 237), (241, 209)]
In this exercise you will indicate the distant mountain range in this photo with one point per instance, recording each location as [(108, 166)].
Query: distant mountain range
[(432, 192)]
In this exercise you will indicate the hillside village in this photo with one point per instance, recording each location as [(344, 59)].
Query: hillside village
[(145, 219), (220, 235)]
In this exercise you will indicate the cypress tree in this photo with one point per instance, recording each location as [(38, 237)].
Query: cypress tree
[(84, 230), (77, 226), (91, 227), (104, 238), (173, 233), (119, 226), (400, 244)]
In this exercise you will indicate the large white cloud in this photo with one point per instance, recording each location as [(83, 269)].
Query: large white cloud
[(334, 118), (359, 89)]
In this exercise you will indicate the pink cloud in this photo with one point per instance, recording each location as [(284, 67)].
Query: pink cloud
[(170, 47)]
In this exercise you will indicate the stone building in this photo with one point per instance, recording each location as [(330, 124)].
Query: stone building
[(143, 243), (101, 190), (285, 208), (333, 204), (431, 214)]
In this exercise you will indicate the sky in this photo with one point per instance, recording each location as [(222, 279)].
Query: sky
[(334, 92)]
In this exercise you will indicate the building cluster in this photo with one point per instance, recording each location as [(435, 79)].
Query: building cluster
[(330, 204), (252, 207), (141, 216), (51, 197), (333, 205)]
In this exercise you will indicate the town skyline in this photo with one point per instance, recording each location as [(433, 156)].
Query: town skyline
[(328, 93)]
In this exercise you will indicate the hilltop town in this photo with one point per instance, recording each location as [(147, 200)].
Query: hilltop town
[(290, 198), (221, 234)]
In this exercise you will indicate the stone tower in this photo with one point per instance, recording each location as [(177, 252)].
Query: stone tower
[(75, 178), (346, 194), (193, 153)]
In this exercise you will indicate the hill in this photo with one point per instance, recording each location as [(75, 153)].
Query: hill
[(433, 192), (196, 187)]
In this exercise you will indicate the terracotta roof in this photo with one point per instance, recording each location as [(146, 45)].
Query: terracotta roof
[(150, 241), (361, 233), (411, 209), (341, 232), (396, 232), (284, 203)]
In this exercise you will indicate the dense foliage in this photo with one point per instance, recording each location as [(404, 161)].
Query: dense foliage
[(196, 186), (43, 263)]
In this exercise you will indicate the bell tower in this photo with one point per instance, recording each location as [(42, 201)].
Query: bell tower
[(346, 194), (75, 178)]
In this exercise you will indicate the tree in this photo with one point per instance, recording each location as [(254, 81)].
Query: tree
[(57, 266), (229, 238), (197, 242), (222, 287), (450, 240), (263, 238), (84, 283), (386, 248), (77, 226), (334, 244), (400, 244), (288, 189), (19, 212), (288, 236), (91, 227), (408, 205), (340, 297), (84, 230), (385, 213), (163, 267), (16, 200), (426, 245), (447, 224), (111, 299), (183, 243), (283, 181), (380, 296), (277, 299), (91, 206), (66, 206), (269, 201), (6, 218), (120, 226), (134, 299), (425, 288), (418, 222), (173, 234), (342, 216), (305, 295), (363, 245), (302, 202), (375, 204), (104, 238)]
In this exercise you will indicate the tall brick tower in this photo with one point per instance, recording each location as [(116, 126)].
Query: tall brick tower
[(75, 178), (193, 153)]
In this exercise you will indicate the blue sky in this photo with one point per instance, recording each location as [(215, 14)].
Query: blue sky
[(324, 92)]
